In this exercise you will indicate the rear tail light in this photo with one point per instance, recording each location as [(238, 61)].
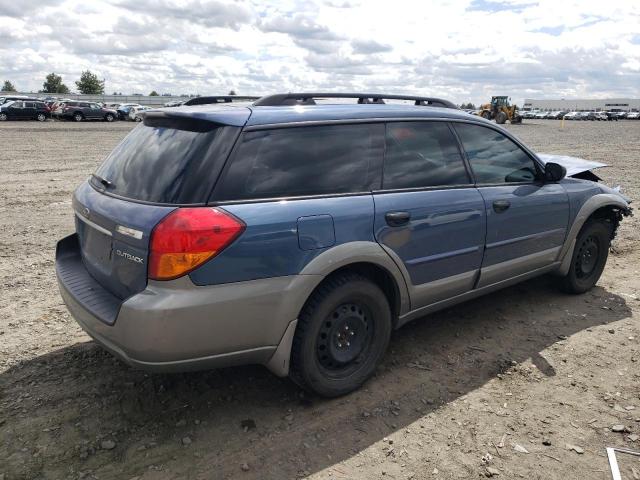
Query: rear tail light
[(188, 237)]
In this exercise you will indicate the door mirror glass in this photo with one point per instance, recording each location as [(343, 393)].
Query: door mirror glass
[(554, 172)]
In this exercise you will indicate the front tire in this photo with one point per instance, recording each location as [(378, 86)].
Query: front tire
[(342, 334), (41, 117), (108, 117), (589, 257), (78, 117), (3, 117), (501, 118)]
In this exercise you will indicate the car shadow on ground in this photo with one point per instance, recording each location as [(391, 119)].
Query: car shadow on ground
[(58, 410)]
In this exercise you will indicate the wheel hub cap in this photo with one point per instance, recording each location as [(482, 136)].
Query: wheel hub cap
[(343, 336), (588, 256)]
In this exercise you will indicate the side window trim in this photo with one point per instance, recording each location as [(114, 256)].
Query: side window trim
[(539, 168), (463, 154)]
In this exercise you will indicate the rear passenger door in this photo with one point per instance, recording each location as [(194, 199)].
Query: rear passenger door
[(526, 217), (86, 110), (29, 110), (428, 215)]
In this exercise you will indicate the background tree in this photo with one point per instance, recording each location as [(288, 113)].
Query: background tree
[(90, 84), (153, 93), (53, 84), (468, 106), (8, 87), (232, 92)]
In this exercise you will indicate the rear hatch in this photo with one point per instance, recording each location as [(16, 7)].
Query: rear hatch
[(167, 162)]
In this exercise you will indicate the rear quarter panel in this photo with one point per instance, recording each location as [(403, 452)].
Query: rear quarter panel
[(271, 247)]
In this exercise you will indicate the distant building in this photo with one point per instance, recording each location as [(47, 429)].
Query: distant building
[(579, 104)]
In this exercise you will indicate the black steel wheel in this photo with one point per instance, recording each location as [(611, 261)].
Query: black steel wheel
[(341, 336), (589, 257), (344, 338)]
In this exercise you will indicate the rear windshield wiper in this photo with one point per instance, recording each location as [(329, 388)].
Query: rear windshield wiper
[(103, 181)]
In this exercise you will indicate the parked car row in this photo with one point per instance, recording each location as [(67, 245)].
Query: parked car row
[(20, 107), (576, 115)]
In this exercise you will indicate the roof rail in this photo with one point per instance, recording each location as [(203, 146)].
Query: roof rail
[(281, 99), (219, 99)]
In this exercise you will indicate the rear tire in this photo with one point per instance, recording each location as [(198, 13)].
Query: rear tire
[(109, 117), (3, 117), (501, 117), (41, 117), (78, 117), (589, 257), (342, 334)]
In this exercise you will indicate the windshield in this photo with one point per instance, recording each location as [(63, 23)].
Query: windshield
[(167, 161)]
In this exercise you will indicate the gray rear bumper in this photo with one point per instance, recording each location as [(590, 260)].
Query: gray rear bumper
[(178, 326)]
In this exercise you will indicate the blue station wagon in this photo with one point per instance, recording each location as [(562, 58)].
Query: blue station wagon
[(299, 230)]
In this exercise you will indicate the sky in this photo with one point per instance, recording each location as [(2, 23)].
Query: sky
[(465, 50)]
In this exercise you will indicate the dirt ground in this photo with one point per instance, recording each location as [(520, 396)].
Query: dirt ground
[(525, 383)]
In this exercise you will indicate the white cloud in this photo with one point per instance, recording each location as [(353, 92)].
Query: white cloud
[(463, 50)]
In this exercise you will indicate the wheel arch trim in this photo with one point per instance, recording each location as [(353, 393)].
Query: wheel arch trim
[(328, 262), (588, 208), (361, 252)]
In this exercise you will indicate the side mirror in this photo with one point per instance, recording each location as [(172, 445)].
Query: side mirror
[(554, 172)]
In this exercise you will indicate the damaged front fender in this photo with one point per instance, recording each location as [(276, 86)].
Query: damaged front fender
[(576, 167)]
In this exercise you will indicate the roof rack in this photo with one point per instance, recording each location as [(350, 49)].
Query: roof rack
[(282, 99), (219, 99)]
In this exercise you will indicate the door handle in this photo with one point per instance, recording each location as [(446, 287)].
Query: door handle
[(397, 219), (500, 206)]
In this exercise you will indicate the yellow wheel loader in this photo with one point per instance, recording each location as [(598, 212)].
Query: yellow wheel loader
[(500, 111)]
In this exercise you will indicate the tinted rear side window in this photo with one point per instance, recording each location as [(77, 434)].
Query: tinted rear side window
[(174, 162), (494, 158), (422, 154), (329, 159)]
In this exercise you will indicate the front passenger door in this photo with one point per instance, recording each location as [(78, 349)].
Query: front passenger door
[(16, 110), (526, 218), (95, 111)]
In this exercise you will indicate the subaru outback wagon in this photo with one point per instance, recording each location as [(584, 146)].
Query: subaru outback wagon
[(298, 234)]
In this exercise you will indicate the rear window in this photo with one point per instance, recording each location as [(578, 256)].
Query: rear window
[(167, 161), (305, 161)]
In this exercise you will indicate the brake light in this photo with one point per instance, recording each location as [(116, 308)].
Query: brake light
[(188, 237)]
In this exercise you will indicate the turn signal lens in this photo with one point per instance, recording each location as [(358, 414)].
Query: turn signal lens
[(188, 237)]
